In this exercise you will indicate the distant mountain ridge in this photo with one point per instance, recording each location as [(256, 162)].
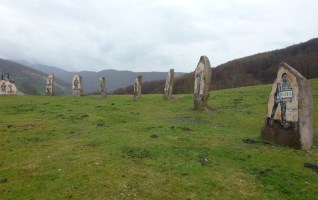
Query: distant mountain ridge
[(114, 78)]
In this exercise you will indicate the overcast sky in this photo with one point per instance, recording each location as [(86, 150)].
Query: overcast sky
[(150, 35)]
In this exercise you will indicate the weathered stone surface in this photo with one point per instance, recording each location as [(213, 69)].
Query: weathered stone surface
[(102, 85), (7, 86), (137, 87), (50, 85), (169, 85), (77, 85), (290, 110), (202, 75)]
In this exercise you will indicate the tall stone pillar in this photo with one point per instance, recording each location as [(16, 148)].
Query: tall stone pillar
[(290, 110), (102, 85), (169, 85), (137, 87), (50, 85), (77, 85), (202, 75)]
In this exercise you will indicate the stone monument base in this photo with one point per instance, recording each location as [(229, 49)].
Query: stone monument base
[(280, 134), (77, 93), (103, 94)]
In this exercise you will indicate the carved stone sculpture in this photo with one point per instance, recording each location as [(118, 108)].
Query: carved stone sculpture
[(77, 85), (50, 85), (290, 110)]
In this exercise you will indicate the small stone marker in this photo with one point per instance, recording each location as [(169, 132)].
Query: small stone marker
[(50, 86), (290, 110), (77, 85), (102, 85), (137, 87), (169, 85), (202, 74)]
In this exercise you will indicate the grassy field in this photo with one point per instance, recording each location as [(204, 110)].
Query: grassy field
[(115, 148)]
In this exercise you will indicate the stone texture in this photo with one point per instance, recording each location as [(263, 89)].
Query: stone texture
[(102, 85), (7, 86), (50, 85), (137, 87), (77, 85), (290, 110), (169, 85), (202, 75)]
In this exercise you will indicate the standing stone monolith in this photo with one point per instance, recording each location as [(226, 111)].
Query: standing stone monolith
[(290, 110), (7, 86), (202, 75), (169, 85), (102, 85), (137, 87), (50, 85), (77, 85)]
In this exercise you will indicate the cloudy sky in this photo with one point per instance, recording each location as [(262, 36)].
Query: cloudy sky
[(149, 35)]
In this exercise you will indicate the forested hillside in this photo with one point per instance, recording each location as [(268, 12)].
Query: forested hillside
[(261, 68)]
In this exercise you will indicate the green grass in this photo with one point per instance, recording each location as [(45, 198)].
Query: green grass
[(101, 148)]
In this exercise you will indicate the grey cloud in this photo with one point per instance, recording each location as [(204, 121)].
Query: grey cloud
[(149, 35)]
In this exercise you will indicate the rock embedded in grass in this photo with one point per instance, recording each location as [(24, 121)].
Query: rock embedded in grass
[(185, 129), (134, 113), (4, 180), (154, 136), (102, 125), (34, 139), (203, 160), (249, 141), (312, 166), (84, 116)]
